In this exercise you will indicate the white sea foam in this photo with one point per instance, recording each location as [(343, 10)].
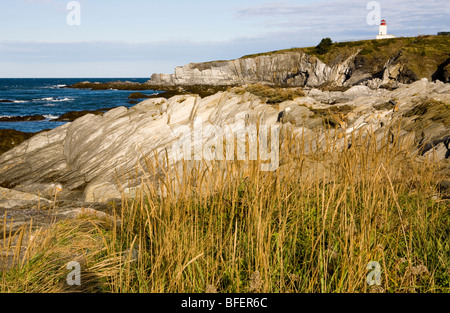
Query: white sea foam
[(50, 117), (51, 99), (64, 99), (53, 87)]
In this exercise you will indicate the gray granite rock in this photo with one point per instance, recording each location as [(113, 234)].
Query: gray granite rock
[(86, 159)]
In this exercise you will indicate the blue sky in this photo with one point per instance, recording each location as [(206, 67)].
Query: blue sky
[(136, 38)]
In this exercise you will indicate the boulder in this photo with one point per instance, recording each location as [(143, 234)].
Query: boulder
[(138, 95), (88, 156), (73, 115), (444, 189), (15, 199)]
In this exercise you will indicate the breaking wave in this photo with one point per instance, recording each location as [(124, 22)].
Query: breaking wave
[(50, 116), (51, 99)]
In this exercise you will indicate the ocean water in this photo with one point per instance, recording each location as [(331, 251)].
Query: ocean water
[(48, 97)]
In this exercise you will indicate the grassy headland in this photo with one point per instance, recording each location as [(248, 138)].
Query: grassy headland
[(422, 55)]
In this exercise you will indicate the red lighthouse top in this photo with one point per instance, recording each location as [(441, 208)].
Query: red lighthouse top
[(383, 22)]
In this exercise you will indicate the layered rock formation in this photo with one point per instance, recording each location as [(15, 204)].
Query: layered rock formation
[(98, 157), (294, 69), (283, 69), (373, 63)]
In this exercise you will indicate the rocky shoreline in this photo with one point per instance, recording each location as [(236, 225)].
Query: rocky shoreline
[(372, 63), (162, 91), (86, 153), (92, 162), (12, 138), (66, 117)]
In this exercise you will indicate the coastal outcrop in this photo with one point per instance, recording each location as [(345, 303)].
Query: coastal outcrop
[(293, 69), (373, 63), (100, 157), (27, 118)]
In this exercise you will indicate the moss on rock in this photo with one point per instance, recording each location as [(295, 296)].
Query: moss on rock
[(10, 138)]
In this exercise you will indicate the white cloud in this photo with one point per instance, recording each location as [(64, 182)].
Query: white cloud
[(348, 18), (285, 24), (57, 5), (31, 59)]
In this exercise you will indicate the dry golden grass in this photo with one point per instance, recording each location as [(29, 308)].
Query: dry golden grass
[(36, 261), (311, 226)]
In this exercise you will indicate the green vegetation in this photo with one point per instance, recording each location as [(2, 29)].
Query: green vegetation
[(324, 46), (422, 55), (431, 110), (311, 226), (138, 95), (333, 116), (270, 94), (10, 138)]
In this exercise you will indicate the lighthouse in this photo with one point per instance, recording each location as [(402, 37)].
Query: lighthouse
[(383, 34)]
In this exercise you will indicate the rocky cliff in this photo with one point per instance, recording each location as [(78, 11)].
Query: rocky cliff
[(294, 69), (373, 63)]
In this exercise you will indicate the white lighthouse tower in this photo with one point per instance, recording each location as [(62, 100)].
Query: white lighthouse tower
[(383, 34)]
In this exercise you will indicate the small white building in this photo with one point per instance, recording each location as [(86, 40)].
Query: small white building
[(383, 34)]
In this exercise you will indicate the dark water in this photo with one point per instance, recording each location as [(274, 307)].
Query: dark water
[(48, 97)]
